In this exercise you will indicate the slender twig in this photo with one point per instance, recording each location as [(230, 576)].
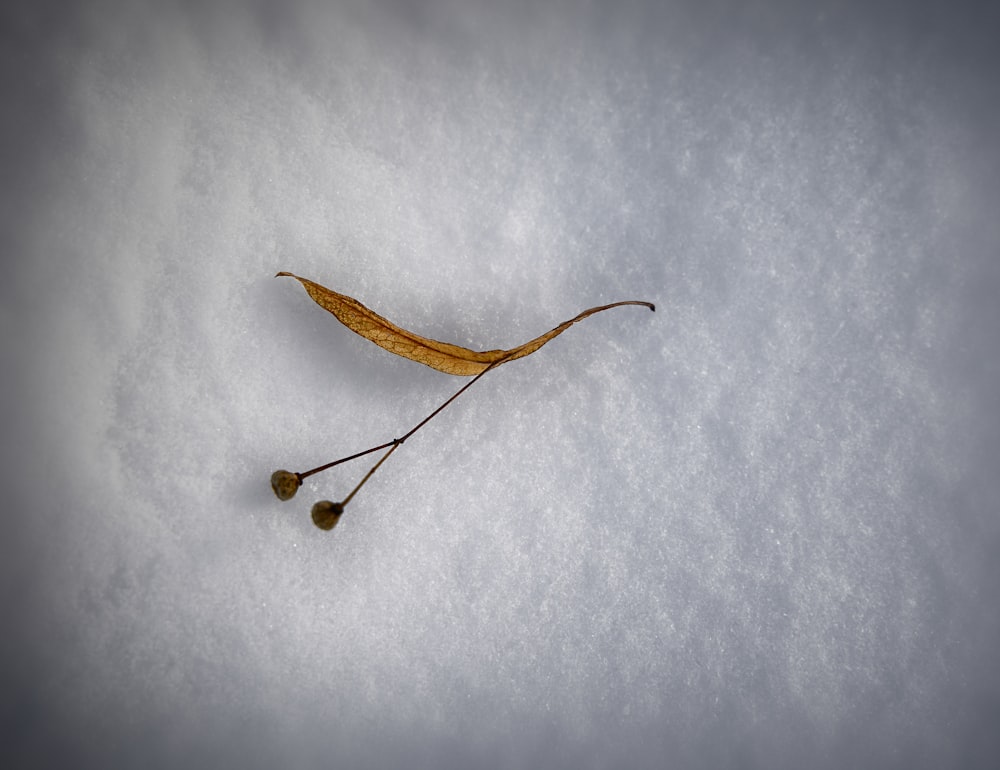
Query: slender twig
[(396, 442), (368, 475), (345, 459), (286, 483)]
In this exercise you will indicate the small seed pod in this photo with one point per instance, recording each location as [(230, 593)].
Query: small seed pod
[(285, 484), (325, 514)]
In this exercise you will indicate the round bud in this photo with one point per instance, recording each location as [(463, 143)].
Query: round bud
[(326, 514), (285, 484)]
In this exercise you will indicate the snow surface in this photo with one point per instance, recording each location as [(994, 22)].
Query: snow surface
[(758, 528)]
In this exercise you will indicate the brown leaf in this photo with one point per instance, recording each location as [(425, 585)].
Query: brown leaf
[(445, 357)]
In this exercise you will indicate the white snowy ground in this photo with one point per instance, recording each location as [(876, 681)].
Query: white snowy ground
[(758, 528)]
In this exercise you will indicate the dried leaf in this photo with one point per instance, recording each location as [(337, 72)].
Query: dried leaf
[(445, 357)]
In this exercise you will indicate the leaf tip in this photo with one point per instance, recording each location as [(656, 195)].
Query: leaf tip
[(278, 275), (652, 307)]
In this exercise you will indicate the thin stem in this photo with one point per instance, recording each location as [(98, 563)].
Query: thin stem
[(345, 459), (396, 441), (458, 393), (369, 475)]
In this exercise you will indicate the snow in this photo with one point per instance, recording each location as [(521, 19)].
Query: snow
[(757, 528)]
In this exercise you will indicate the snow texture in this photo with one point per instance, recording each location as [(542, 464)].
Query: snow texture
[(758, 528)]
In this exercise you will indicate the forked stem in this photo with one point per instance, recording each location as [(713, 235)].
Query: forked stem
[(286, 483)]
